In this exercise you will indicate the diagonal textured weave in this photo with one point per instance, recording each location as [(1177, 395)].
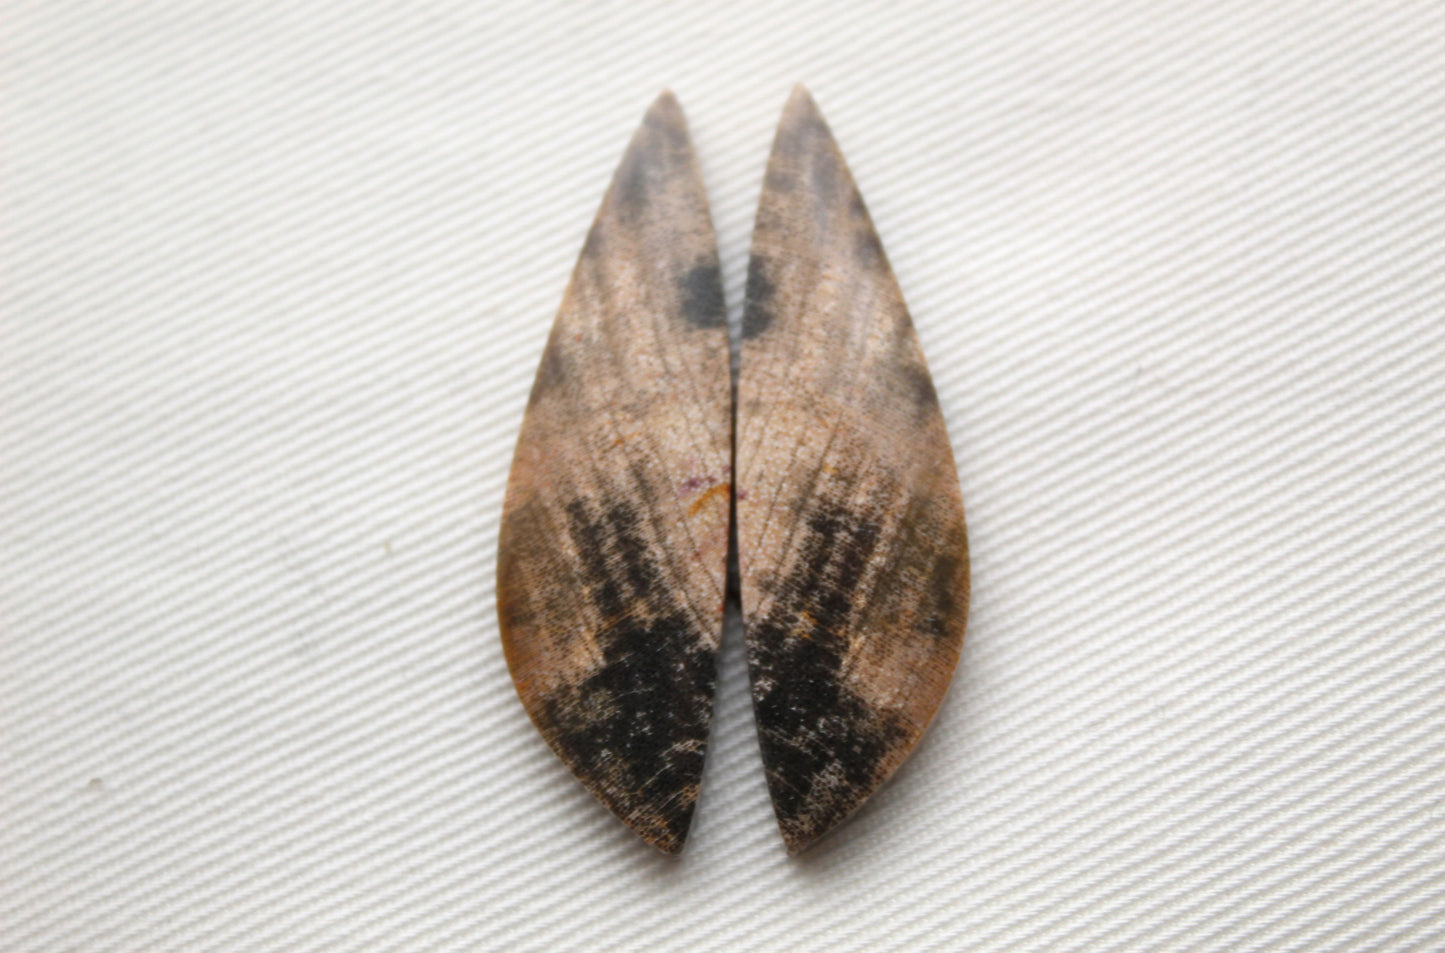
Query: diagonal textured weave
[(275, 278)]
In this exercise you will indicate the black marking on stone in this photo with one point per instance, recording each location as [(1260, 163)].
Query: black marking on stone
[(927, 549), (617, 563), (777, 180), (626, 730), (918, 384), (592, 247), (758, 304), (632, 182), (823, 745), (943, 589), (635, 729), (702, 297), (869, 248), (858, 207), (551, 372)]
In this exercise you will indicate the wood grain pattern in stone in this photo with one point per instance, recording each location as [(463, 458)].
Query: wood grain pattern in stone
[(613, 544), (850, 528)]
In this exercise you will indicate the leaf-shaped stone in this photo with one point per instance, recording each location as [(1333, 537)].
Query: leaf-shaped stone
[(851, 541), (613, 549)]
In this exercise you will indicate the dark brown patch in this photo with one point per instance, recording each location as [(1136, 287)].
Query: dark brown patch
[(758, 301), (918, 384), (858, 208), (702, 296), (778, 181), (551, 373), (869, 247), (635, 729), (592, 247), (946, 595), (823, 745), (632, 183)]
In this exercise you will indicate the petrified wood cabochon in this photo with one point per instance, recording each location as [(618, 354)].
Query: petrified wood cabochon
[(613, 550), (851, 542)]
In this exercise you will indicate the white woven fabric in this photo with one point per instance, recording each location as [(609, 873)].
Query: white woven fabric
[(276, 277)]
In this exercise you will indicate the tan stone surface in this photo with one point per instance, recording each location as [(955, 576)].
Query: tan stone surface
[(852, 547), (612, 562)]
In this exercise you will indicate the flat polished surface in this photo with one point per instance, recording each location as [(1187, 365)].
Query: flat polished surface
[(612, 553), (852, 551)]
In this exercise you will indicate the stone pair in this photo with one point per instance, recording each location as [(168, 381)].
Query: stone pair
[(634, 462)]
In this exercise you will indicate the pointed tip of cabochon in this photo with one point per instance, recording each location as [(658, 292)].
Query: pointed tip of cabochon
[(670, 844), (802, 126), (663, 129), (797, 843), (662, 819), (669, 836), (666, 109), (800, 104), (801, 832), (659, 147)]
